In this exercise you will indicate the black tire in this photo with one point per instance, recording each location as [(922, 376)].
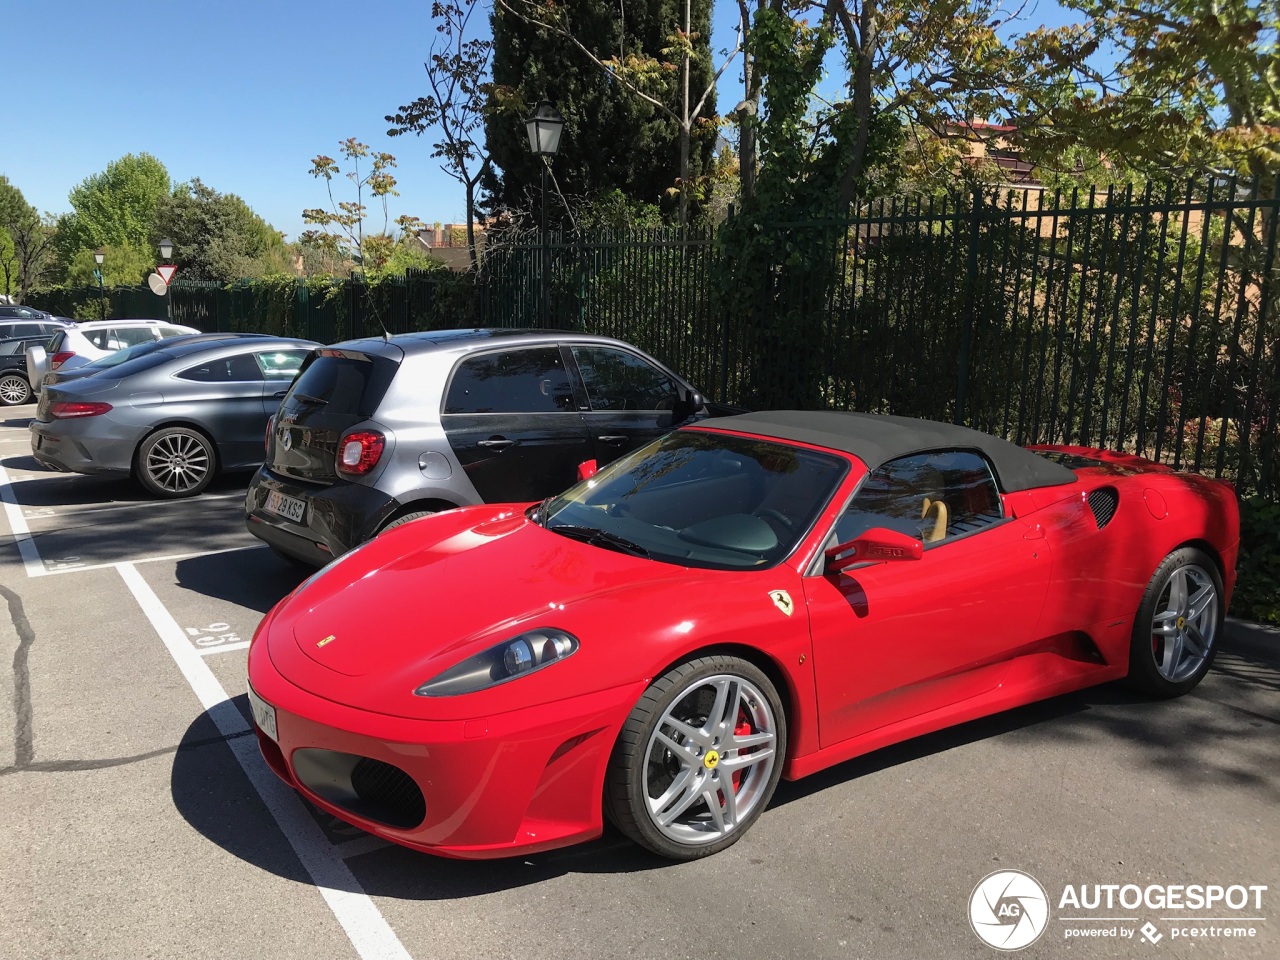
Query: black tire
[(687, 684), (175, 462), (14, 390), (407, 518), (1167, 658)]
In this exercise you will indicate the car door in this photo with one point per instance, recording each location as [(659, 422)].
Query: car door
[(512, 419), (895, 640), (225, 394), (630, 400)]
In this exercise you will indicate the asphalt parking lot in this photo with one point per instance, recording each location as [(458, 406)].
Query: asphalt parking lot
[(141, 821)]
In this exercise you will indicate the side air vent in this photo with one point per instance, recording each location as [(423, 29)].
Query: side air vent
[(1103, 502)]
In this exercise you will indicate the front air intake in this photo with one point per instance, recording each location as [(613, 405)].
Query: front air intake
[(369, 788), (1103, 503)]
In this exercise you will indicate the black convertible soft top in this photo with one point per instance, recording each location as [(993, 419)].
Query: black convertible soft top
[(876, 439)]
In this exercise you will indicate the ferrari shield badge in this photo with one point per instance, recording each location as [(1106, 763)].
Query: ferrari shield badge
[(782, 600)]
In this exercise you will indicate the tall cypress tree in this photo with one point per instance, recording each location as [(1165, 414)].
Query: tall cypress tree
[(612, 139)]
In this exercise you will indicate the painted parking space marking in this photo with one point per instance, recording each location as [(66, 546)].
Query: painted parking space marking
[(228, 648), (73, 510), (19, 529), (364, 924)]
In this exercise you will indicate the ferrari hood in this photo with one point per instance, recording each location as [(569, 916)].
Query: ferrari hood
[(434, 592)]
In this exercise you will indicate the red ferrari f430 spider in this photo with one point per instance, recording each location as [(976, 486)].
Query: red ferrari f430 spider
[(747, 598)]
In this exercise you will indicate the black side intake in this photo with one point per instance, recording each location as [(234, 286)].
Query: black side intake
[(1103, 503)]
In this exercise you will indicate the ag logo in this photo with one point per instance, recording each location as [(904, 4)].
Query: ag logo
[(1009, 910)]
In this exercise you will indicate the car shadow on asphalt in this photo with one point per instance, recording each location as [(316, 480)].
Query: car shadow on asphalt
[(213, 794), (253, 578), (1211, 736), (71, 490)]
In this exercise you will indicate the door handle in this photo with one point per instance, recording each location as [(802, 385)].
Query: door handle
[(610, 438), (280, 396), (497, 444)]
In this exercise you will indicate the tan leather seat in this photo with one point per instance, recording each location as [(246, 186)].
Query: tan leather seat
[(935, 511)]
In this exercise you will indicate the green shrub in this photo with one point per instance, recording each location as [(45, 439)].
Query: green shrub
[(1257, 594)]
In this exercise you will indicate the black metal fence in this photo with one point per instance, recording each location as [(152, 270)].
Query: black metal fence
[(1141, 321)]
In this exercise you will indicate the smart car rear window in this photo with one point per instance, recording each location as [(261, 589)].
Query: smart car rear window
[(346, 385)]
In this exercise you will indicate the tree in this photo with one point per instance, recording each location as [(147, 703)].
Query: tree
[(636, 88), (217, 236), (122, 265), (456, 72), (26, 242), (116, 207), (1195, 87), (343, 222)]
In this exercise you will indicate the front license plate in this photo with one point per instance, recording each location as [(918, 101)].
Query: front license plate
[(291, 508), (264, 715)]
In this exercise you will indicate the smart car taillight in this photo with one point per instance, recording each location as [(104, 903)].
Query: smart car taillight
[(266, 439), (359, 452), (58, 359), (71, 409)]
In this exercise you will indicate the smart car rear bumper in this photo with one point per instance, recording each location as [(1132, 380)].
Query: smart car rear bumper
[(483, 788), (338, 517)]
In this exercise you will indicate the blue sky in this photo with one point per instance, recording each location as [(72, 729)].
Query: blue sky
[(239, 94)]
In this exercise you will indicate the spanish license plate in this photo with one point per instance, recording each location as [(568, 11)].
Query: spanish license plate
[(291, 508), (264, 715)]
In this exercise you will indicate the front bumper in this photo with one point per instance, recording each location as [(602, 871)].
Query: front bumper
[(338, 517), (488, 787)]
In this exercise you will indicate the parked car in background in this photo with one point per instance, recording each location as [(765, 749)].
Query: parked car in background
[(19, 321), (66, 374), (81, 343), (14, 387), (744, 599), (173, 417), (377, 432)]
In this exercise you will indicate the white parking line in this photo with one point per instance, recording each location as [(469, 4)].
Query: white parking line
[(365, 926), (225, 648), (21, 532)]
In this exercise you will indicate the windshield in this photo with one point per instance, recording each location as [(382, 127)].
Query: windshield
[(122, 356), (701, 499)]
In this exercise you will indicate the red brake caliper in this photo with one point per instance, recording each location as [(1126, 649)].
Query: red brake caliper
[(743, 728)]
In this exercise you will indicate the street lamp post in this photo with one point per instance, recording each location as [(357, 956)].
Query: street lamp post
[(544, 127), (166, 253), (98, 256)]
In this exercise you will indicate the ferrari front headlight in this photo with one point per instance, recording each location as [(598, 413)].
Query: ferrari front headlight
[(517, 657)]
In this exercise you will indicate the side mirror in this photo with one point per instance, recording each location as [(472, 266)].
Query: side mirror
[(690, 403), (874, 545), (586, 470)]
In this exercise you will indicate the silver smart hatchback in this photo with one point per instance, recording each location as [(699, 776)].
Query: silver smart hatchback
[(377, 432)]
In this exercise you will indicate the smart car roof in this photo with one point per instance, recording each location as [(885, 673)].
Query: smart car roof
[(876, 439)]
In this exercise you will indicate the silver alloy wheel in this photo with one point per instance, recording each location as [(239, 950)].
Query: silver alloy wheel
[(14, 390), (1185, 624), (177, 462), (709, 759)]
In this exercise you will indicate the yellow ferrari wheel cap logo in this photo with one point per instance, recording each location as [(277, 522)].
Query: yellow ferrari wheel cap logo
[(329, 639), (711, 759), (782, 600), (1182, 623)]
